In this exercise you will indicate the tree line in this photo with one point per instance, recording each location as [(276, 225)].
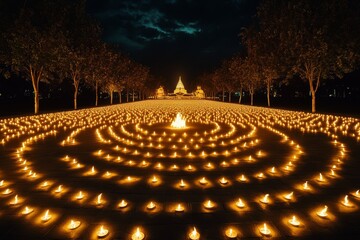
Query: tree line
[(312, 40), (49, 41)]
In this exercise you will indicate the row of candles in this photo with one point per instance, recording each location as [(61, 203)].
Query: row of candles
[(12, 128), (230, 232)]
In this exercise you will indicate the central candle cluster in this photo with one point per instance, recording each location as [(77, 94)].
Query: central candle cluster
[(179, 122)]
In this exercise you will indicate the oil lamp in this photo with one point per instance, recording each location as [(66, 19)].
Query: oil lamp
[(231, 233), (74, 224), (264, 230), (294, 222), (102, 232), (323, 213), (137, 235), (194, 234)]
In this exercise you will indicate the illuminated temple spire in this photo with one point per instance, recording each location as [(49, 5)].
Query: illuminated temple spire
[(180, 89)]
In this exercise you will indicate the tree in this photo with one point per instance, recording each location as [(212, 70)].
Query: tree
[(96, 64), (237, 73), (35, 51), (81, 29), (318, 38)]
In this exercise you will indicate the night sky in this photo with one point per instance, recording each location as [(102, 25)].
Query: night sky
[(175, 37)]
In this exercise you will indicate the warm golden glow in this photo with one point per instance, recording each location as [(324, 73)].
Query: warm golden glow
[(102, 232), (231, 233), (194, 234), (323, 212), (178, 122), (138, 235), (264, 230)]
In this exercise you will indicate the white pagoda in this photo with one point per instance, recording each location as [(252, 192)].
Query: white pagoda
[(180, 89)]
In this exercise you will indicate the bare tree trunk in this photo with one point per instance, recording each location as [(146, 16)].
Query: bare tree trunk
[(252, 97), (76, 89), (229, 96), (223, 95), (313, 89), (313, 96), (127, 95), (268, 92), (36, 101), (120, 100), (133, 97), (35, 79), (240, 96), (96, 93), (111, 97)]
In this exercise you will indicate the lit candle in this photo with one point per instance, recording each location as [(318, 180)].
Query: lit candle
[(79, 196), (306, 186), (137, 235), (346, 202), (59, 189), (243, 178), (240, 203), (7, 191), (265, 230), (27, 210), (289, 196), (194, 234), (99, 200), (46, 217), (15, 200), (323, 213), (102, 232), (203, 181), (357, 194), (320, 178), (265, 199), (179, 208), (294, 222), (151, 206), (209, 205), (154, 179), (182, 183), (223, 181), (230, 233), (73, 224), (123, 204)]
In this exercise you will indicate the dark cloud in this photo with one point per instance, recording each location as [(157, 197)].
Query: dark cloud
[(175, 37)]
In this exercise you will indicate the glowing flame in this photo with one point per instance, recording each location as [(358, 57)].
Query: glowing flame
[(306, 186), (203, 181), (27, 210), (151, 206), (179, 122), (179, 208), (73, 224), (15, 200), (265, 199), (265, 230), (194, 234), (230, 233), (138, 235), (346, 202), (240, 203), (289, 196), (46, 217), (323, 212), (293, 221), (102, 232), (209, 205), (99, 200)]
